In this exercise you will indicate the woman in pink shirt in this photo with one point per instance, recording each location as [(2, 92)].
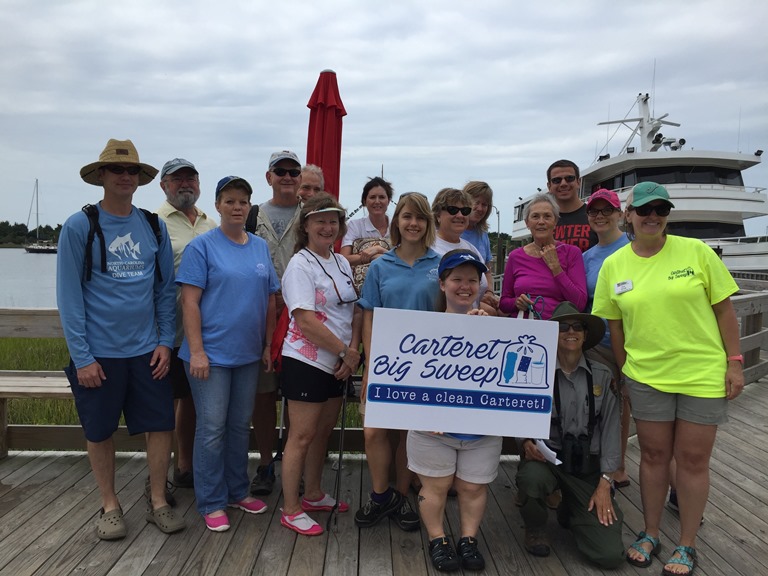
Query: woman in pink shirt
[(540, 275)]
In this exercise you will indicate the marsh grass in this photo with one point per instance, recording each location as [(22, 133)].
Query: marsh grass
[(37, 354), (52, 354)]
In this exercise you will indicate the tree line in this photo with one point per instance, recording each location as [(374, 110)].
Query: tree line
[(18, 234)]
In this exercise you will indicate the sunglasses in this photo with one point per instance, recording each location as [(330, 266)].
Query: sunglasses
[(293, 172), (453, 210), (604, 211), (660, 209), (558, 179), (577, 326), (132, 170)]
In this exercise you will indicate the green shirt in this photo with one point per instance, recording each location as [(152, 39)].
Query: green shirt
[(671, 336)]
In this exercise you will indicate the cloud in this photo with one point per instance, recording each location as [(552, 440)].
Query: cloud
[(438, 92)]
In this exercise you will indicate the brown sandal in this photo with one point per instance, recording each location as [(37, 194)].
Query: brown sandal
[(111, 525)]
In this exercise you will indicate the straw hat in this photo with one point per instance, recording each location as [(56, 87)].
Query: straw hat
[(117, 152), (595, 325)]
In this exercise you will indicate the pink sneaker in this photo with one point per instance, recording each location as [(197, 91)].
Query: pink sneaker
[(301, 523), (217, 523), (250, 505), (325, 504)]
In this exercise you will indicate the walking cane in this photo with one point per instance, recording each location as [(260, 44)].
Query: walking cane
[(337, 486)]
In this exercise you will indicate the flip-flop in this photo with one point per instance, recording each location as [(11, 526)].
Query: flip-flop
[(686, 557), (621, 483), (642, 538), (111, 525)]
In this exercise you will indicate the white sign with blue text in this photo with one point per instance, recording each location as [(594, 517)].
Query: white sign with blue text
[(457, 373)]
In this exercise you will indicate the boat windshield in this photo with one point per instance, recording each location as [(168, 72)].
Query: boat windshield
[(673, 175)]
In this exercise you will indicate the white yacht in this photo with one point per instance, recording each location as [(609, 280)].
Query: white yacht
[(711, 201)]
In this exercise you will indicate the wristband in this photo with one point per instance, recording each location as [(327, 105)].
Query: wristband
[(738, 357)]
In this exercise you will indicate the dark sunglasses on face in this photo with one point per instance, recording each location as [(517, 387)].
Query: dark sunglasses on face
[(132, 170), (453, 210), (577, 326), (660, 209), (293, 172), (604, 211), (558, 179)]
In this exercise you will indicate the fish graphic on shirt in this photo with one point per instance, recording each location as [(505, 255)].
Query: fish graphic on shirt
[(124, 248)]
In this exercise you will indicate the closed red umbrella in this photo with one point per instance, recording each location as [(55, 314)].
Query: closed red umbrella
[(324, 137)]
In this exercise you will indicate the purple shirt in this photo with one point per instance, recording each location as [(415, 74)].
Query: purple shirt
[(528, 275)]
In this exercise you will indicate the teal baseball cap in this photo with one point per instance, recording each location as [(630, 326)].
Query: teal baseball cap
[(648, 192)]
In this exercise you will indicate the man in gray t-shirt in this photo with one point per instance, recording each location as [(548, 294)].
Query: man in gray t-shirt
[(275, 224)]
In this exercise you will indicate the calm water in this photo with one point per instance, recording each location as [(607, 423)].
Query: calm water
[(27, 280)]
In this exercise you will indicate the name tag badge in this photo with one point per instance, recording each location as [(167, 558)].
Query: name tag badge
[(622, 287)]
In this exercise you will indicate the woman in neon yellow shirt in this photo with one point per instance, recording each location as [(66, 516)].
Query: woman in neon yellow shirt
[(676, 339)]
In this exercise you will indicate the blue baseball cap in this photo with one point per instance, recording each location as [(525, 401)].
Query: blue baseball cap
[(227, 180), (456, 258), (176, 164)]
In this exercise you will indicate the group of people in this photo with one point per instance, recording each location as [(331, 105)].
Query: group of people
[(242, 300)]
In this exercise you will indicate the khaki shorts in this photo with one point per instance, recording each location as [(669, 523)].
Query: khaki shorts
[(650, 404), (440, 455)]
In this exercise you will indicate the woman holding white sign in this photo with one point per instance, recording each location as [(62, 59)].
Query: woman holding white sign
[(403, 278), (320, 351), (468, 462)]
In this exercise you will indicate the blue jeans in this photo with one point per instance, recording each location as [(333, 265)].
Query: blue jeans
[(224, 404)]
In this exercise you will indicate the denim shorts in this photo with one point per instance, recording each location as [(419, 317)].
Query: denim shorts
[(306, 383), (129, 389), (648, 403)]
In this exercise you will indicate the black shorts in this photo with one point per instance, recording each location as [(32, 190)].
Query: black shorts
[(305, 383), (178, 376)]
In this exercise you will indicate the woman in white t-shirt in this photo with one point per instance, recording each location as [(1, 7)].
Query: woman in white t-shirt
[(320, 351), (451, 208), (368, 238)]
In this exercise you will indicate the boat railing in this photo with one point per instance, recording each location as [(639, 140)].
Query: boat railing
[(694, 187), (737, 240)]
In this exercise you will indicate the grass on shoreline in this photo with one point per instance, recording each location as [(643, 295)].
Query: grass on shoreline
[(52, 354)]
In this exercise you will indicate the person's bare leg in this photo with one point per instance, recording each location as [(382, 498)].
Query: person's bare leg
[(313, 465), (378, 454), (306, 416), (432, 496), (692, 450), (472, 501), (102, 458), (656, 443), (158, 458)]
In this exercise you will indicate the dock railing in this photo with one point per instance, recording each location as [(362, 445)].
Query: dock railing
[(750, 305)]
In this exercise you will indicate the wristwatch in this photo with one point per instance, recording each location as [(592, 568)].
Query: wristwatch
[(343, 354), (607, 478)]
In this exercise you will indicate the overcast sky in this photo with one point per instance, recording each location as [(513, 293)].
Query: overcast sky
[(439, 92)]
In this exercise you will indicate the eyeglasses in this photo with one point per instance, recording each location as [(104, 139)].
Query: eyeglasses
[(402, 196), (566, 326), (115, 169), (604, 211), (336, 288), (660, 209), (453, 210), (558, 179), (293, 172)]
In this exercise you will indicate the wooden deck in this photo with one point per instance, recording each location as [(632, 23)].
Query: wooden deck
[(48, 504)]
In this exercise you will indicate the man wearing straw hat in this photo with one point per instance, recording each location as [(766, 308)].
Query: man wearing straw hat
[(116, 300)]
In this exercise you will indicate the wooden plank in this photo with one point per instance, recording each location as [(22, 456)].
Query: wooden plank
[(375, 542), (30, 323), (343, 540)]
